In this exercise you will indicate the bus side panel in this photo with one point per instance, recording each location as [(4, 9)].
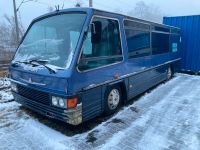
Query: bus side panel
[(160, 74), (92, 103), (138, 83), (176, 66), (141, 82)]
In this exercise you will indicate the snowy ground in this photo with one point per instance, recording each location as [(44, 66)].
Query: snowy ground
[(5, 94), (167, 118)]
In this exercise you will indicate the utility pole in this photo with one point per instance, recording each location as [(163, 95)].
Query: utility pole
[(16, 21), (90, 3)]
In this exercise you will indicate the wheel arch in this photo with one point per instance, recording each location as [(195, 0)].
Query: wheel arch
[(123, 84), (172, 67)]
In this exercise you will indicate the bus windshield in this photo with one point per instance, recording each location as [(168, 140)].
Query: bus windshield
[(52, 39)]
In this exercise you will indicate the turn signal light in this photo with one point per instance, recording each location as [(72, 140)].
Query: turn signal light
[(72, 102)]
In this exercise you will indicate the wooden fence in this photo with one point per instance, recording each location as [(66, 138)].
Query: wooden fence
[(6, 54), (3, 67)]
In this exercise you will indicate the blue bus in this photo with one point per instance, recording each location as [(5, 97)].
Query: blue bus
[(76, 64)]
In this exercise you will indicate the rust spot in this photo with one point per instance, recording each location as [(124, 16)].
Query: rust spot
[(116, 76)]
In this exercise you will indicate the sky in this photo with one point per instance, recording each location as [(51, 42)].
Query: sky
[(30, 10)]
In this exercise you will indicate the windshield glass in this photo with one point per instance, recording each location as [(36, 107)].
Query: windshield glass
[(53, 39)]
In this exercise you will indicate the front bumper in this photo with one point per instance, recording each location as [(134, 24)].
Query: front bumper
[(72, 116)]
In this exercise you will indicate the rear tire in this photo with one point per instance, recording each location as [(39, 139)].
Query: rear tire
[(113, 98)]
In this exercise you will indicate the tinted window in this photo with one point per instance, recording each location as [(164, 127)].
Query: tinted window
[(105, 52), (161, 29), (160, 43), (132, 24), (138, 39)]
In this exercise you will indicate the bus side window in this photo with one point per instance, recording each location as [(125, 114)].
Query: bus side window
[(160, 43), (74, 38), (138, 39), (105, 52), (88, 46)]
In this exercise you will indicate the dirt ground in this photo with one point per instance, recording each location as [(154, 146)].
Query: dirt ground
[(2, 73)]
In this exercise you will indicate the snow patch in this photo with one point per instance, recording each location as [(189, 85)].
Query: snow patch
[(166, 118)]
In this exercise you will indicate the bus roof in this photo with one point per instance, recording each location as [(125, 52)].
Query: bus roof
[(92, 10)]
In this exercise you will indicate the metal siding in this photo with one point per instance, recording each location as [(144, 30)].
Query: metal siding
[(145, 80), (92, 103), (190, 46)]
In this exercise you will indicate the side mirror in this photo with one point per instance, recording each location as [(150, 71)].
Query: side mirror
[(96, 28)]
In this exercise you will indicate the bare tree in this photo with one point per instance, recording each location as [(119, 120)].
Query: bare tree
[(78, 3), (148, 12), (11, 25), (7, 31), (8, 36), (50, 9), (4, 32), (6, 47)]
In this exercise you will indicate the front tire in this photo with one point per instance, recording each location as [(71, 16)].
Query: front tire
[(113, 97)]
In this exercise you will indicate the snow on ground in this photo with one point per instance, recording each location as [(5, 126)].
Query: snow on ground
[(19, 131), (167, 118), (5, 94), (4, 82)]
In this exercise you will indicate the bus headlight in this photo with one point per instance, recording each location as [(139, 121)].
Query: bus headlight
[(59, 102), (54, 101), (64, 103), (14, 87)]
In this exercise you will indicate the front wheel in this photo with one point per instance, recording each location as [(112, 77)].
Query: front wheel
[(113, 98)]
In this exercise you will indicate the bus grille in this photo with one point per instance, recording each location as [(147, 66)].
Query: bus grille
[(34, 95)]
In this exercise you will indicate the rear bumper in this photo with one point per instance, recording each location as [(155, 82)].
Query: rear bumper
[(72, 116)]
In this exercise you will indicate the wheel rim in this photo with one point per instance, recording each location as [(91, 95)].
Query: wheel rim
[(169, 73), (113, 99)]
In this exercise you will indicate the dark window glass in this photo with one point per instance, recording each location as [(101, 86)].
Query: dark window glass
[(105, 52), (132, 24), (138, 40), (161, 29), (160, 43)]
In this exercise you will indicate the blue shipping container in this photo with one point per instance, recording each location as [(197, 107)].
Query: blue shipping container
[(190, 32)]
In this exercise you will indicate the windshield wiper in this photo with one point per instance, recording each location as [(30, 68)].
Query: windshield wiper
[(41, 62), (16, 63), (35, 62), (38, 61)]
